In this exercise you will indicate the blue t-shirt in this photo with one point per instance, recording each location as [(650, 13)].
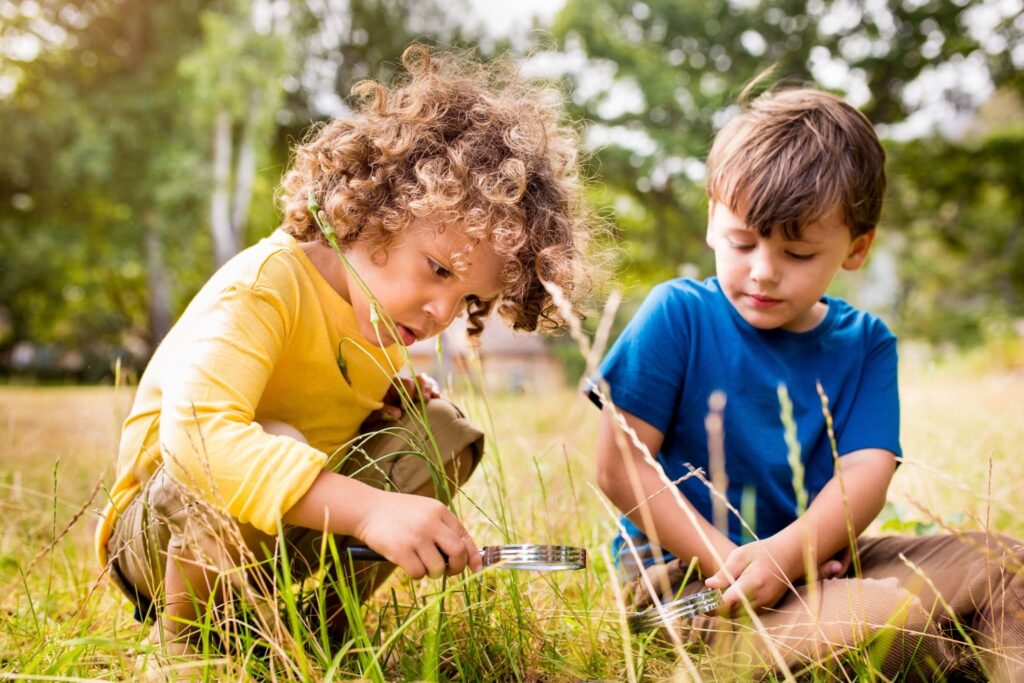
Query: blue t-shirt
[(687, 341)]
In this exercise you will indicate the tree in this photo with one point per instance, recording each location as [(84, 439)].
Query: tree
[(97, 176), (673, 69), (960, 209), (114, 118)]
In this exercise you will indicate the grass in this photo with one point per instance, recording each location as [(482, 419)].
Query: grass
[(58, 621)]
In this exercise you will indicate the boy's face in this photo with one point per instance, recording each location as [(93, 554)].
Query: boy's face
[(773, 282), (423, 284)]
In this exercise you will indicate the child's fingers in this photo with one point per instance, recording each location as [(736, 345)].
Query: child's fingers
[(412, 565), (830, 569), (732, 598), (429, 386), (717, 580), (734, 566), (432, 560), (455, 550), (465, 544), (836, 565), (732, 595)]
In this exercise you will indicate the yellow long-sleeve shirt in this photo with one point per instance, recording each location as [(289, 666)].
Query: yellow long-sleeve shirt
[(260, 341)]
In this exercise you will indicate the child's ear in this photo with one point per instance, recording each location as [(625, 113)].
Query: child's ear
[(707, 234), (859, 249)]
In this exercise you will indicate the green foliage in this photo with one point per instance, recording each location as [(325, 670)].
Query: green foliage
[(97, 168), (676, 68), (108, 117), (895, 518), (106, 176), (959, 209)]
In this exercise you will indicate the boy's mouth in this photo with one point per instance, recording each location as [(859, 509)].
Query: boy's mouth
[(761, 301)]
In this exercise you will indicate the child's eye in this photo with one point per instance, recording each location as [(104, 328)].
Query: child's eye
[(439, 270), (800, 257), (741, 247)]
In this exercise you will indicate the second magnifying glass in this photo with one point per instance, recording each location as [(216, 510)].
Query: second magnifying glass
[(526, 556), (685, 608)]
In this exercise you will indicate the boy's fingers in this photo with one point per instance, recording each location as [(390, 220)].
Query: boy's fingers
[(716, 580), (734, 566), (831, 568), (731, 598)]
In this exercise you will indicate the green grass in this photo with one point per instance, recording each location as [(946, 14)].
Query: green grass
[(962, 431)]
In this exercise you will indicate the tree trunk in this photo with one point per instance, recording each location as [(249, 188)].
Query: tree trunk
[(245, 174), (158, 304), (225, 242)]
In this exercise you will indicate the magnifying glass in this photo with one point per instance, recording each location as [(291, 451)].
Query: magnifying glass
[(685, 608), (526, 556)]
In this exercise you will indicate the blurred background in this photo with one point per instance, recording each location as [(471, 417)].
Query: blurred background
[(142, 143)]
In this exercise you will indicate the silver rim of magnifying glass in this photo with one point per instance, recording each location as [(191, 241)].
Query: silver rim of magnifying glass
[(690, 606), (535, 557)]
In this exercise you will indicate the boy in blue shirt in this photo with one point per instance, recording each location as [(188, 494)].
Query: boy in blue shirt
[(795, 188)]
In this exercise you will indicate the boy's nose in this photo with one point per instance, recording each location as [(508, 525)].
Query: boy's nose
[(762, 267)]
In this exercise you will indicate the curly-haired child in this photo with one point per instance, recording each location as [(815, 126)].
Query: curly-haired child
[(456, 190)]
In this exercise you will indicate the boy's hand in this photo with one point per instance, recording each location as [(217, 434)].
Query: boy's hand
[(836, 566), (756, 573), (418, 533)]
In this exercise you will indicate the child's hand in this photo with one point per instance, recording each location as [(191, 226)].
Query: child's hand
[(836, 566), (392, 408), (757, 577), (419, 534)]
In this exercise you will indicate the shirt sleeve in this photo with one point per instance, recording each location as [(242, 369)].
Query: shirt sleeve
[(874, 418), (208, 439), (645, 367)]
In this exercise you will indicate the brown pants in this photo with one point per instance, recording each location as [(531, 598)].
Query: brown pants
[(954, 606), (165, 515)]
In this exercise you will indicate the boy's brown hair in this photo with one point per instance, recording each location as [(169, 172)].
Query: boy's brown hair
[(464, 143), (791, 157)]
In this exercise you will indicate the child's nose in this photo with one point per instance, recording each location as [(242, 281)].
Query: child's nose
[(762, 267), (445, 308)]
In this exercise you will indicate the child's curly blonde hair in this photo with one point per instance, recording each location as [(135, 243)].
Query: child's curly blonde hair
[(464, 143)]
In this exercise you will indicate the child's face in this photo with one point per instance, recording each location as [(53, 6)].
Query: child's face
[(774, 282), (424, 283)]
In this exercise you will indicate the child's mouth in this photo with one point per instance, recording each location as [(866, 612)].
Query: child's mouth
[(408, 336), (762, 301)]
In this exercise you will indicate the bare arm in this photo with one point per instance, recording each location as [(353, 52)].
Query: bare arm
[(635, 488), (856, 500), (418, 533)]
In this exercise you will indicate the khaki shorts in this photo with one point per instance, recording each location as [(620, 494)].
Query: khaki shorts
[(915, 598), (400, 457)]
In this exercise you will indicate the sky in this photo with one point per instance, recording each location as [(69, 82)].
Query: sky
[(505, 18)]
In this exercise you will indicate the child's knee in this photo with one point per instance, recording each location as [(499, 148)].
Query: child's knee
[(277, 428), (456, 435)]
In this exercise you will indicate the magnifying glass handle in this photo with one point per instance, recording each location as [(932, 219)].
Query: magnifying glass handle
[(364, 554)]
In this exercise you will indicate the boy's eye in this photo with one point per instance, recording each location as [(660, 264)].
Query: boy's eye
[(800, 257), (739, 246), (439, 270)]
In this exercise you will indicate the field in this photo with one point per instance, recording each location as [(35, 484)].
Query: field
[(59, 621)]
